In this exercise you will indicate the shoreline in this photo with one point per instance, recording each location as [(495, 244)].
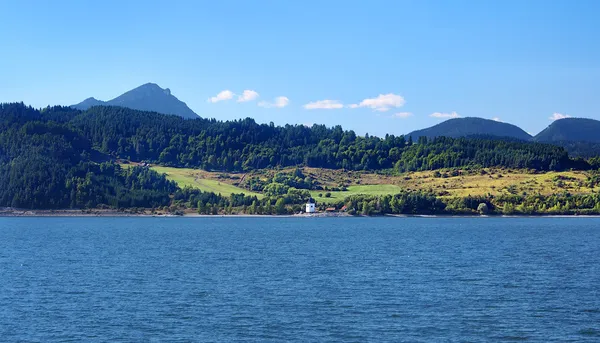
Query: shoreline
[(113, 213)]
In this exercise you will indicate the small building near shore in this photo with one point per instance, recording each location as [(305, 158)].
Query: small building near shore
[(311, 206)]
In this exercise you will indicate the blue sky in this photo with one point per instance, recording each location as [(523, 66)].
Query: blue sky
[(382, 66)]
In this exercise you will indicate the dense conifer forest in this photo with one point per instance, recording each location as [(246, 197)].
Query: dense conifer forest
[(244, 145)]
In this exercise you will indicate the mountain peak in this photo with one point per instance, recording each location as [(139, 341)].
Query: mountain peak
[(147, 97), (149, 86), (153, 87)]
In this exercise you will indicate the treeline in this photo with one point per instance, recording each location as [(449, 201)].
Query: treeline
[(403, 203), (242, 145), (420, 203), (290, 202)]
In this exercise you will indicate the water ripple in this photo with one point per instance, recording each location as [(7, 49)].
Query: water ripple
[(285, 279)]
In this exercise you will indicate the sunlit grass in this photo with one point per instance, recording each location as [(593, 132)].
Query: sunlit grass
[(355, 190), (192, 178), (492, 181)]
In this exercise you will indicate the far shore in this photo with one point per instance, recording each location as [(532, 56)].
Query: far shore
[(115, 213)]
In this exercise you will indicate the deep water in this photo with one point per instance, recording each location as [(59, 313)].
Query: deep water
[(299, 279)]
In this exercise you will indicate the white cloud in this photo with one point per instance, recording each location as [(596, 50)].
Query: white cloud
[(444, 115), (557, 116), (382, 103), (278, 102), (222, 96), (248, 95), (402, 115), (497, 119), (324, 105)]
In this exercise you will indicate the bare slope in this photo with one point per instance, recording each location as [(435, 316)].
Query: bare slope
[(148, 97)]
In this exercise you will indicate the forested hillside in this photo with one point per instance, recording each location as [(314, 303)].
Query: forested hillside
[(243, 145), (46, 163), (60, 157)]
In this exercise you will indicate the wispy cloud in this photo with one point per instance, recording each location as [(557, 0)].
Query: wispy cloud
[(278, 102), (444, 115), (324, 105), (248, 95), (222, 96), (402, 115), (497, 119), (557, 116), (382, 103)]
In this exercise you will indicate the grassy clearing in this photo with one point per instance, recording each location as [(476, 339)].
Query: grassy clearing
[(199, 179), (497, 182), (355, 190)]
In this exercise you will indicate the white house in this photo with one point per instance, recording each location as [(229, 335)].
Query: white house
[(311, 206)]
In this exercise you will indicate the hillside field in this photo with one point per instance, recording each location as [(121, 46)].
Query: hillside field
[(337, 196), (207, 182), (442, 183)]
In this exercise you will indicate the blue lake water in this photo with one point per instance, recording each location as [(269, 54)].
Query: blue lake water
[(299, 279)]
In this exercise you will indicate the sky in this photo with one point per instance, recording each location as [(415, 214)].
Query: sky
[(372, 66)]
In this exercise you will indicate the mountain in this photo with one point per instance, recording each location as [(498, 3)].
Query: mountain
[(470, 126), (571, 130), (87, 103), (148, 97), (579, 136)]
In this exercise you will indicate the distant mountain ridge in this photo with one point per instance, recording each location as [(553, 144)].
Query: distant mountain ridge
[(579, 136), (147, 97), (571, 130), (472, 126)]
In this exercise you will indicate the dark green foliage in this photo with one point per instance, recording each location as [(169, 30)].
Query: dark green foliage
[(445, 152), (295, 179), (562, 203), (467, 205), (401, 203), (244, 145), (209, 202), (45, 163), (579, 149), (275, 189), (418, 203)]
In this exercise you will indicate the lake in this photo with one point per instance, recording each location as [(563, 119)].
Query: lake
[(299, 279)]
